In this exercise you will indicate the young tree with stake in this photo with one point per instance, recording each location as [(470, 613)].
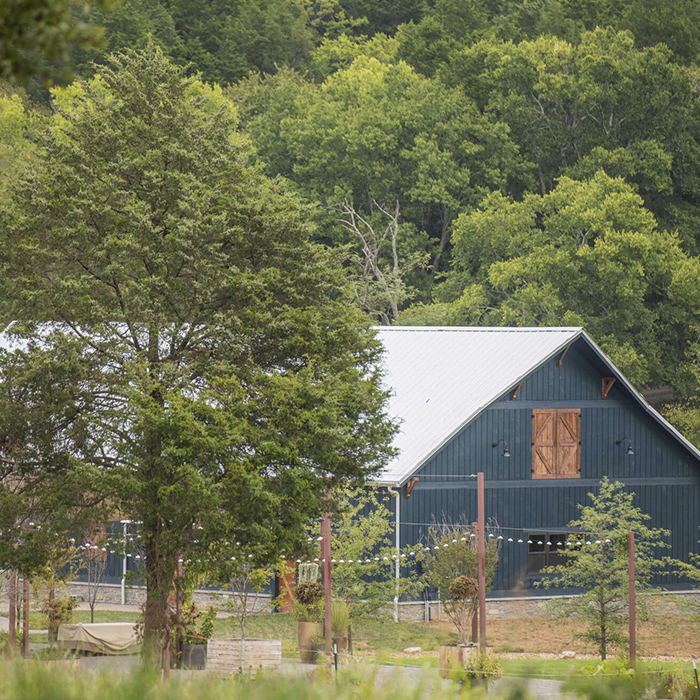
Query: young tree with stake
[(597, 562)]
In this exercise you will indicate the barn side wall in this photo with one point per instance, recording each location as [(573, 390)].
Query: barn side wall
[(664, 476)]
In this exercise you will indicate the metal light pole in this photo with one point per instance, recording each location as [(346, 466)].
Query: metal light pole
[(125, 524), (475, 616), (326, 561)]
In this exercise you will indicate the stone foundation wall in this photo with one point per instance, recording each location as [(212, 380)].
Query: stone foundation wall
[(227, 657), (496, 608), (663, 602), (111, 594)]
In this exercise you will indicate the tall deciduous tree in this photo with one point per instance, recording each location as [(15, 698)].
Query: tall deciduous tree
[(589, 253), (227, 380), (597, 562)]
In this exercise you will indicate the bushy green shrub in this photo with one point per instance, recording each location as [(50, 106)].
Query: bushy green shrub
[(309, 592), (482, 666)]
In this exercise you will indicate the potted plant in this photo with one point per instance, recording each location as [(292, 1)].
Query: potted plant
[(198, 628), (340, 621), (308, 610)]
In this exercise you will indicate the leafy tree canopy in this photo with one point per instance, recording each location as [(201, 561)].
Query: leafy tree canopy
[(226, 380), (37, 36), (588, 253)]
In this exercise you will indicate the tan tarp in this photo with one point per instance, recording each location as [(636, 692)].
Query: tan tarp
[(102, 637)]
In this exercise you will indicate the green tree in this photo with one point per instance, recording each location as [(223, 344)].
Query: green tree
[(588, 253), (131, 24), (45, 492), (363, 548), (228, 381), (377, 132), (562, 100), (450, 561), (225, 40), (19, 122), (36, 36), (597, 562)]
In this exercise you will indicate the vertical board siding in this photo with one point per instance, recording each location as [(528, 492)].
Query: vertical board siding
[(552, 504), (548, 507)]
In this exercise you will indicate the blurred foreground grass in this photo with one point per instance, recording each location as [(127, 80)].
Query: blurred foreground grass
[(21, 680)]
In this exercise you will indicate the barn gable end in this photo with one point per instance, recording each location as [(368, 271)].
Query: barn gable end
[(581, 385)]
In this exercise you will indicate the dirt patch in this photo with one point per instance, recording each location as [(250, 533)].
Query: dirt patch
[(664, 636)]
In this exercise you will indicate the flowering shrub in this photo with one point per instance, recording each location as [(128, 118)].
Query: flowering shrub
[(198, 627)]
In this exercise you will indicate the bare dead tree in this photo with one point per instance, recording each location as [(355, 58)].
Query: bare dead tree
[(379, 285)]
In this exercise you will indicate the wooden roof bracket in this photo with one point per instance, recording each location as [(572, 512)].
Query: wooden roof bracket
[(411, 485), (561, 357), (607, 385), (515, 391)]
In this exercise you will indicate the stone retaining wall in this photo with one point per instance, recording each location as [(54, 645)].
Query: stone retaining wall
[(496, 608), (663, 602), (112, 594), (227, 657)]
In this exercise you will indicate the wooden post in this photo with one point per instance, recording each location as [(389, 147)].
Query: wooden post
[(25, 619), (482, 560), (178, 609), (12, 611), (475, 616), (326, 561), (632, 601), (166, 652)]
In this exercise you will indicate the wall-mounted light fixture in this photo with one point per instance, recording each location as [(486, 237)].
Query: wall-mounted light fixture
[(506, 451), (629, 450)]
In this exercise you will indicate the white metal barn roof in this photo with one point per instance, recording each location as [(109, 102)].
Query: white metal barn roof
[(441, 378)]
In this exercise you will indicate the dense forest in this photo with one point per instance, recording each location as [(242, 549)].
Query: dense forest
[(475, 162)]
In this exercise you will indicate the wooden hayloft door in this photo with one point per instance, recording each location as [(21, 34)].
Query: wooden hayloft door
[(556, 443)]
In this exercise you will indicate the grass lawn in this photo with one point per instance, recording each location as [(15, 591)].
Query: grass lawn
[(521, 642), (37, 620), (370, 637)]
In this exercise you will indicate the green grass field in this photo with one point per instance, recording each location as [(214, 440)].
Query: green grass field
[(382, 642)]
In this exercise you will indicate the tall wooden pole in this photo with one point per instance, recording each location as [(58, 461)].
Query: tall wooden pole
[(475, 616), (12, 612), (632, 601), (326, 561), (178, 607), (25, 619), (482, 560)]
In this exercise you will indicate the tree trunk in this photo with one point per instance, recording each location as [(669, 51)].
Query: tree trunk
[(52, 615), (160, 575), (444, 238), (12, 612)]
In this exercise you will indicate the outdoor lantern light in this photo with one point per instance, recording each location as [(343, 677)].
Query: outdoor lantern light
[(629, 450), (506, 451)]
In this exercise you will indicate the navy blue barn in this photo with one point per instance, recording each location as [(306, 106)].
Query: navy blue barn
[(561, 415)]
